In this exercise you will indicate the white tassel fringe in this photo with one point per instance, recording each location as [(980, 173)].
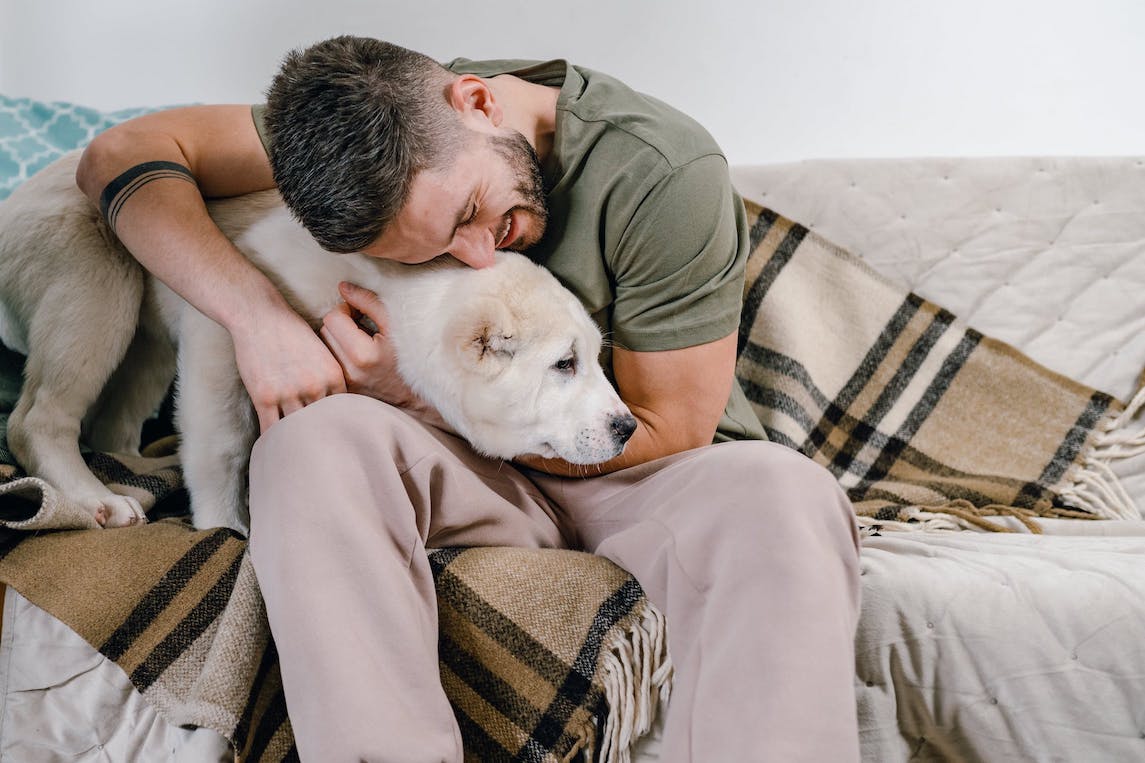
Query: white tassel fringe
[(1094, 486), (637, 674)]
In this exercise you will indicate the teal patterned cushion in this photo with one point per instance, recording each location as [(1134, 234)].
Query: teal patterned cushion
[(33, 133)]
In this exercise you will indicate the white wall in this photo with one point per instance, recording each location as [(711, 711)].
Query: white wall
[(773, 80)]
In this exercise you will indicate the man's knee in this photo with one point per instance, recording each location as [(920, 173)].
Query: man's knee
[(760, 489), (325, 423), (346, 434), (773, 515), (763, 474), (336, 446)]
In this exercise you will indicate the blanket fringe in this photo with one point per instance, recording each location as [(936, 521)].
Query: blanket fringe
[(1093, 485), (637, 673), (960, 514)]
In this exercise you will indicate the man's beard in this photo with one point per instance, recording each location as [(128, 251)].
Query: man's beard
[(526, 166)]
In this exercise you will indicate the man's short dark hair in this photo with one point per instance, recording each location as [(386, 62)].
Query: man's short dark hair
[(350, 121)]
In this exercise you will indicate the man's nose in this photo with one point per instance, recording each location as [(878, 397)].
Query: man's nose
[(473, 245)]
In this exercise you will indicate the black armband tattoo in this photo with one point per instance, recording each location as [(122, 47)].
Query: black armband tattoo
[(118, 191)]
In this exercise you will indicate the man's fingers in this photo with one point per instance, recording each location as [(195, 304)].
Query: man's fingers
[(285, 367), (344, 309), (289, 407), (351, 346), (340, 323), (338, 387), (330, 337), (366, 302), (269, 412), (267, 415)]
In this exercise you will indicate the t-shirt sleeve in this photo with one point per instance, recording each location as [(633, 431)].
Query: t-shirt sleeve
[(679, 267), (258, 114)]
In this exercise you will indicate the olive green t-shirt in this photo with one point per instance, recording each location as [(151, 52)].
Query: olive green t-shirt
[(645, 227)]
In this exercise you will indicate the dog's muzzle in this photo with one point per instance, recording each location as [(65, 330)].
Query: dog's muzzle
[(622, 427)]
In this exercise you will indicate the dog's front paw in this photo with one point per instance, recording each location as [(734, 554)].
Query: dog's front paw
[(113, 510)]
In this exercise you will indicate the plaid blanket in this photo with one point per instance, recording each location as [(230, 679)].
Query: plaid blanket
[(180, 612), (921, 418)]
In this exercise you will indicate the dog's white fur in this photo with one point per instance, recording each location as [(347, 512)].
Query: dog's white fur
[(505, 354)]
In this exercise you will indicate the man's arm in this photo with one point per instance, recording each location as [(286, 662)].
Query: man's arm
[(165, 225)]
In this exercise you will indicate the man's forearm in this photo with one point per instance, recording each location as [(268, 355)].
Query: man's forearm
[(647, 443), (167, 228), (163, 221), (161, 218)]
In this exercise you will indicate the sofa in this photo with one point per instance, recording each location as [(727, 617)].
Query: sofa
[(973, 645)]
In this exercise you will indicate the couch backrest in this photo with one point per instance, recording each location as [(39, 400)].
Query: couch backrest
[(1047, 254)]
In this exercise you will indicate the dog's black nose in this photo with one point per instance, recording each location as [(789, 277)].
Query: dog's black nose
[(622, 426)]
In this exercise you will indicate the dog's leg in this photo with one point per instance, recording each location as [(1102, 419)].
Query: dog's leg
[(74, 347), (133, 393), (217, 425)]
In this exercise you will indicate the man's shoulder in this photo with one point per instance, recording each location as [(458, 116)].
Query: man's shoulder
[(608, 111), (598, 108), (258, 115), (550, 72)]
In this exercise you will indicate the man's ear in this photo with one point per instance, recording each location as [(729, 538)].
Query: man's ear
[(471, 97), (484, 336)]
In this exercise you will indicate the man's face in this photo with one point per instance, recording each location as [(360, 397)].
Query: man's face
[(491, 197)]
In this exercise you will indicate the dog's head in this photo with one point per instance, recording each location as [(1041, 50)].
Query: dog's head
[(528, 380)]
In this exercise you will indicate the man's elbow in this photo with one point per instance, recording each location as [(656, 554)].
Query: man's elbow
[(95, 163), (695, 438), (676, 435), (118, 149)]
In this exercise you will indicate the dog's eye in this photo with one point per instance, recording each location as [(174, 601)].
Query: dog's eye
[(566, 365)]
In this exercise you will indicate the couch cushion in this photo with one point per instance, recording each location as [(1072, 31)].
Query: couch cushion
[(34, 133), (1002, 647)]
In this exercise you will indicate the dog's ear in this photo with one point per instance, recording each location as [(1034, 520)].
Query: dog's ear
[(484, 335)]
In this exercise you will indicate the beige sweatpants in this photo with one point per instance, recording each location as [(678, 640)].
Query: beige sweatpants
[(749, 549)]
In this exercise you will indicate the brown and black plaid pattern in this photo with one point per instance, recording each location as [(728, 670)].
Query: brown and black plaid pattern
[(521, 638), (906, 406), (523, 641), (178, 610), (520, 659)]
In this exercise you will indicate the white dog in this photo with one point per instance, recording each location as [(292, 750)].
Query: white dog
[(505, 353)]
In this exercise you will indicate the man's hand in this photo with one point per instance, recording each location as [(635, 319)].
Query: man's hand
[(285, 366), (367, 359)]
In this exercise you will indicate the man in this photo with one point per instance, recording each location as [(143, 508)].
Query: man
[(748, 548)]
